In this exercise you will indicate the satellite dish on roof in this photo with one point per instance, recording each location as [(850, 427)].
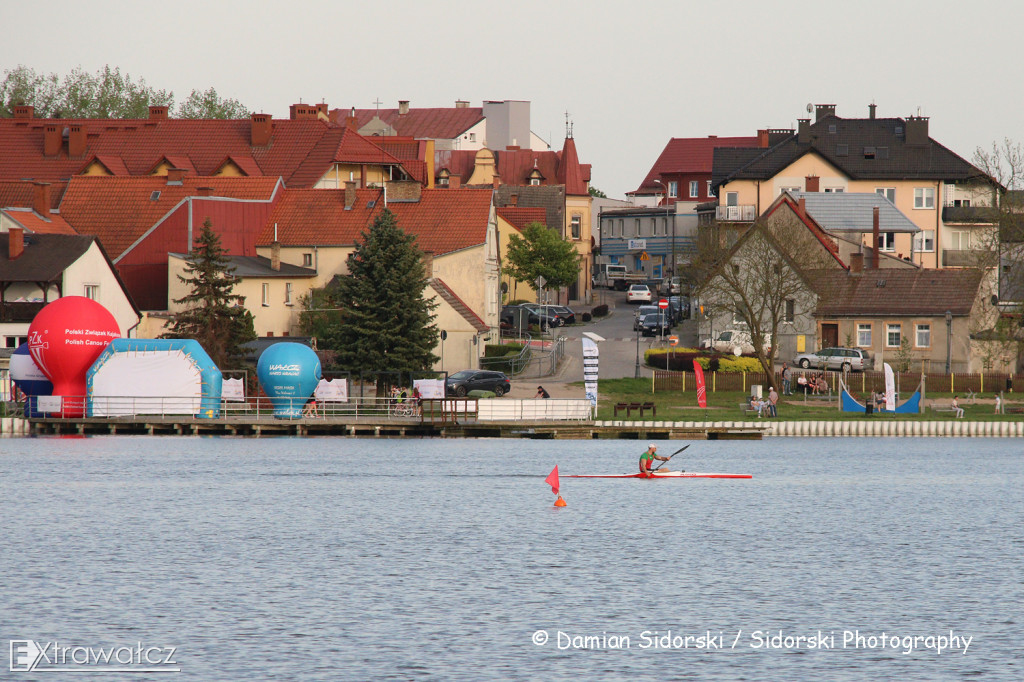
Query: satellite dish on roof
[(810, 108)]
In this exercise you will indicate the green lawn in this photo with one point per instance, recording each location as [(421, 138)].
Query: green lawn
[(724, 405)]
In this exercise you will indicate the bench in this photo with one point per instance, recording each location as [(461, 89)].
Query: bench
[(640, 407), (947, 408), (747, 409), (1013, 409)]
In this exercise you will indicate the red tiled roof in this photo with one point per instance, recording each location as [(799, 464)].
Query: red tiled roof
[(443, 123), (515, 166), (452, 299), (300, 150), (689, 155), (443, 220), (569, 172), (521, 216), (52, 223), (120, 210), (20, 193)]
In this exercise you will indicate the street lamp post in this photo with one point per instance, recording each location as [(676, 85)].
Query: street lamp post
[(636, 373), (949, 339)]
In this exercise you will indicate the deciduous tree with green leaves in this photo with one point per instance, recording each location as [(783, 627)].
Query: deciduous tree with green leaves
[(213, 315), (208, 104), (385, 323), (541, 252)]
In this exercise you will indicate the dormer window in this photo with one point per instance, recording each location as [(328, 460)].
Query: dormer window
[(535, 177), (442, 177), (869, 152)]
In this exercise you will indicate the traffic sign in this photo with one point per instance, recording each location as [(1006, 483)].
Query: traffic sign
[(673, 340), (663, 303), (644, 256)]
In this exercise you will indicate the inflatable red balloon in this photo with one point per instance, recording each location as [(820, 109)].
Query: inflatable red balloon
[(65, 338)]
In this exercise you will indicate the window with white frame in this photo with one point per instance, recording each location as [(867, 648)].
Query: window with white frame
[(535, 182), (887, 192), (673, 189), (924, 241), (924, 197), (923, 335), (575, 223), (307, 260), (266, 294), (791, 190), (959, 240), (92, 291), (694, 189), (834, 190), (893, 332), (288, 293), (636, 227), (732, 198), (864, 335), (886, 241), (711, 190)]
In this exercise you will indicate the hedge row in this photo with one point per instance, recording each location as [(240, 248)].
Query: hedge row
[(681, 360)]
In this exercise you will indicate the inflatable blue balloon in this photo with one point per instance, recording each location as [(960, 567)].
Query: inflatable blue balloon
[(27, 376), (288, 373)]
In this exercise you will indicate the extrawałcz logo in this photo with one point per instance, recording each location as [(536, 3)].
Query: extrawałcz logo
[(31, 656)]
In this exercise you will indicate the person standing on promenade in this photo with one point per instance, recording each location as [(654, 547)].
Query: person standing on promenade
[(787, 388)]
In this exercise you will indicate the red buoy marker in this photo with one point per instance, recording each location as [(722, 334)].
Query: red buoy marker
[(552, 480)]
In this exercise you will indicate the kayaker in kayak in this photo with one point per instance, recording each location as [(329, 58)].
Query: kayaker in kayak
[(647, 457)]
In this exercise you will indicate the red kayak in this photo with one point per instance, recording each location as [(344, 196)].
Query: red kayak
[(662, 474)]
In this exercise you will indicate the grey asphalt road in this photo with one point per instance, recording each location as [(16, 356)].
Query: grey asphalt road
[(618, 351)]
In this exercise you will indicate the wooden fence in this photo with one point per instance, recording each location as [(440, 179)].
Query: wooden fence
[(859, 382)]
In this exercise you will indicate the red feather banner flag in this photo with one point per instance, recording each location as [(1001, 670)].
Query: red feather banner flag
[(702, 394), (552, 480)]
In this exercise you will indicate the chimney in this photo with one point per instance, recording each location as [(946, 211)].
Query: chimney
[(762, 139), (803, 130), (403, 107), (24, 111), (811, 183), (175, 176), (461, 104), (802, 207), (512, 148), (871, 110), (496, 181), (76, 140), (428, 153), (275, 252), (157, 112), (205, 191), (917, 130), (856, 263), (454, 181), (302, 112), (874, 237), (51, 139), (823, 110), (513, 199), (15, 242), (350, 194), (260, 130), (321, 108), (41, 198), (428, 263)]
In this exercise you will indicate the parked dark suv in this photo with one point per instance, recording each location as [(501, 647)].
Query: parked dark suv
[(467, 380)]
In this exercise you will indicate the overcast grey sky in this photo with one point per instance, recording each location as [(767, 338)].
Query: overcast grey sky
[(630, 74)]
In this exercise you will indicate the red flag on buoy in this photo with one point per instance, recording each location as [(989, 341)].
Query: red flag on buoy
[(702, 395), (552, 480)]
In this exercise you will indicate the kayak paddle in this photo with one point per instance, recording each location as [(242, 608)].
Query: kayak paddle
[(671, 456)]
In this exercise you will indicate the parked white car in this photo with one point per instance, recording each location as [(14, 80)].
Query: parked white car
[(733, 341), (638, 293)]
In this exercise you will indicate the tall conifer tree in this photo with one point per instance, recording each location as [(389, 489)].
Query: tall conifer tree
[(386, 323), (213, 315)]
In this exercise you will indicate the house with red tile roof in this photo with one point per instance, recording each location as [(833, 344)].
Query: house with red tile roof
[(39, 267), (455, 228), (682, 172), (29, 206), (139, 220), (304, 150), (495, 124), (556, 181)]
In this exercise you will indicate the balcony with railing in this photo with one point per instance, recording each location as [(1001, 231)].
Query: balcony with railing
[(969, 215), (962, 258), (21, 311), (736, 214)]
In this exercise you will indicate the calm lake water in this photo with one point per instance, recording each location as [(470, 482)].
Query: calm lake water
[(360, 559)]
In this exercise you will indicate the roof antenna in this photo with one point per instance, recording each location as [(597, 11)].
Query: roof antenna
[(568, 126)]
